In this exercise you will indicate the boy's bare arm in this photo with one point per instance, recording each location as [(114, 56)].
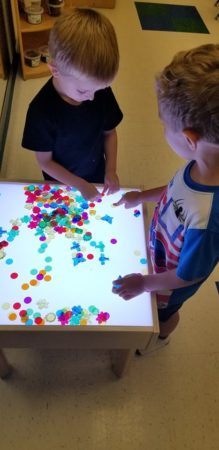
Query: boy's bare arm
[(111, 180), (134, 198), (152, 195), (63, 175), (134, 284)]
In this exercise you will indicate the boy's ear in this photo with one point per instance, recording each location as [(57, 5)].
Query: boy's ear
[(192, 137), (53, 69)]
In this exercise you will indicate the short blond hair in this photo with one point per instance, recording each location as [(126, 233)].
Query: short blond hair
[(188, 92), (85, 40)]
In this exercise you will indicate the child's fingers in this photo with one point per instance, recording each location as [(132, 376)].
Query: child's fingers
[(96, 197), (120, 202), (111, 189), (126, 296), (105, 187)]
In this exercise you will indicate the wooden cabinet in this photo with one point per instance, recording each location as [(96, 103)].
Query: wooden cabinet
[(92, 3), (5, 37), (32, 36)]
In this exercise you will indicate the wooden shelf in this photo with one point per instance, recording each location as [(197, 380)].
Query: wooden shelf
[(31, 36), (35, 72), (91, 3), (46, 24)]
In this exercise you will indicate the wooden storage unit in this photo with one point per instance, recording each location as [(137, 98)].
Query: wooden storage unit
[(92, 3), (4, 55), (33, 36), (2, 72)]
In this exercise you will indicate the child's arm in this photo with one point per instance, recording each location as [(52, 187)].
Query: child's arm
[(134, 284), (63, 175), (134, 198), (111, 180)]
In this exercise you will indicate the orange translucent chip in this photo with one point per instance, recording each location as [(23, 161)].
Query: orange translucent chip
[(25, 286), (12, 316), (43, 272), (47, 278), (33, 282)]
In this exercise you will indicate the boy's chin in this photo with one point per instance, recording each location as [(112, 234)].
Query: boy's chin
[(72, 101), (77, 100)]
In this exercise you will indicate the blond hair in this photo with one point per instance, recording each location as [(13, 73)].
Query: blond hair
[(188, 92), (85, 40)]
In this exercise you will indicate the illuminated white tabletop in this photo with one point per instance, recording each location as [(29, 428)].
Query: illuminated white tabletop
[(58, 257)]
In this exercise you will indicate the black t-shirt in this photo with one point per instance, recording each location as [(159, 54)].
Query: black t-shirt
[(74, 134)]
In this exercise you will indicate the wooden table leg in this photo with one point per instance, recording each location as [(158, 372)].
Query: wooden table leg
[(120, 361), (5, 368)]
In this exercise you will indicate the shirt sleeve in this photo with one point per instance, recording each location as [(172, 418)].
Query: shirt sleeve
[(111, 110), (39, 131), (199, 255)]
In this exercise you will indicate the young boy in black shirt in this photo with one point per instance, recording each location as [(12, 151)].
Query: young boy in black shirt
[(71, 123)]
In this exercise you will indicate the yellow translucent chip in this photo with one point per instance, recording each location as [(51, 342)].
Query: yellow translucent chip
[(83, 322)]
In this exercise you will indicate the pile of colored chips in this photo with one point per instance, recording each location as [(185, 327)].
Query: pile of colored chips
[(74, 316), (57, 210)]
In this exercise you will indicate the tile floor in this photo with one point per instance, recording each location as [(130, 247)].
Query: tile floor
[(170, 399)]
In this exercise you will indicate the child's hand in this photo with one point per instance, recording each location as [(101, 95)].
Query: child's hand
[(111, 183), (129, 286), (130, 199), (89, 191)]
